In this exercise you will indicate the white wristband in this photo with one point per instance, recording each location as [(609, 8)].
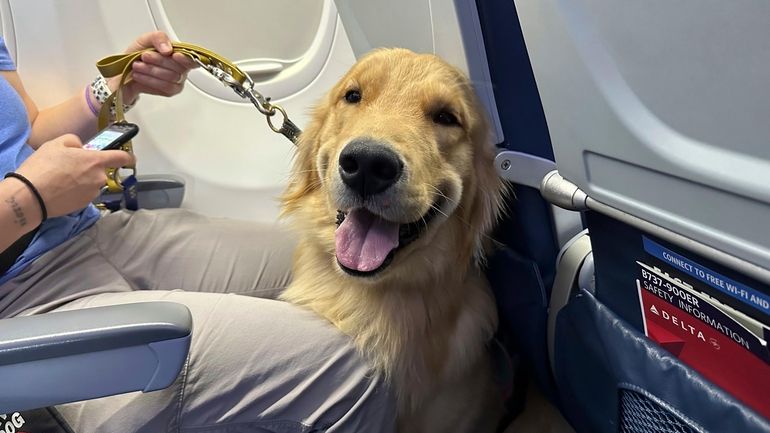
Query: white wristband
[(101, 92)]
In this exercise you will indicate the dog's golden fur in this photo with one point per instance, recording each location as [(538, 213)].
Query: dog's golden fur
[(424, 322)]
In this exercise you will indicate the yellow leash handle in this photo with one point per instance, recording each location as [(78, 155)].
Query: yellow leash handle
[(120, 64)]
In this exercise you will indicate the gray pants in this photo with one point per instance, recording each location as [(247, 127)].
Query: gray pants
[(255, 364)]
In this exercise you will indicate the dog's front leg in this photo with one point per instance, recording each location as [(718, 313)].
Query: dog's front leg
[(468, 404)]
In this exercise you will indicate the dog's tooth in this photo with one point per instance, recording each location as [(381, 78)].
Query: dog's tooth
[(340, 217)]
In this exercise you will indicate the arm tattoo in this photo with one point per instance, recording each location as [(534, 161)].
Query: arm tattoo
[(18, 212)]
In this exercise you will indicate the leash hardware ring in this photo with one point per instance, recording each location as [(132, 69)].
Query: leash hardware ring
[(275, 108), (114, 176), (246, 89)]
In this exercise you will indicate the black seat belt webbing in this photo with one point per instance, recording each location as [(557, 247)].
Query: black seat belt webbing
[(9, 256)]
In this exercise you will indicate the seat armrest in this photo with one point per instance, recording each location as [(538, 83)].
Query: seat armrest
[(158, 191), (76, 355)]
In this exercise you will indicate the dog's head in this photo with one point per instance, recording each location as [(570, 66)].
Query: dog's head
[(396, 167)]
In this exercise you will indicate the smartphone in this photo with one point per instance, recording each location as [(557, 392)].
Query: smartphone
[(112, 136)]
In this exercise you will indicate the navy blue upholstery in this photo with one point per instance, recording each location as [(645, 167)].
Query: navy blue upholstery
[(523, 272)]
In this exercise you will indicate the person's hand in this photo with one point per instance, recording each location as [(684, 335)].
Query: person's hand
[(156, 73), (67, 176)]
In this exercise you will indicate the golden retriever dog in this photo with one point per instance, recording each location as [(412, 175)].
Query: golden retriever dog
[(393, 192)]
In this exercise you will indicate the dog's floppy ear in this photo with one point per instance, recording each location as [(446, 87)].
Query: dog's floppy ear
[(304, 174), (489, 191)]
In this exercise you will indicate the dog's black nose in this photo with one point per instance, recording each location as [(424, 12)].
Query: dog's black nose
[(369, 167)]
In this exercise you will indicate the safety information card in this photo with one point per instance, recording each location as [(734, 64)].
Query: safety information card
[(723, 344)]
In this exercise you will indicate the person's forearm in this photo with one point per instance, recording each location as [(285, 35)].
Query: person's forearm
[(70, 117), (19, 211), (73, 116)]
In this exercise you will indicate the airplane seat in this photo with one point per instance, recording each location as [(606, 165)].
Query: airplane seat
[(67, 356), (660, 144), (154, 191)]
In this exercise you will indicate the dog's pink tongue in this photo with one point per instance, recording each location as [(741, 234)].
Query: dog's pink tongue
[(364, 240)]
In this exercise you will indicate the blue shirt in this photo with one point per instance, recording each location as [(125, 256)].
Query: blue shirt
[(14, 133)]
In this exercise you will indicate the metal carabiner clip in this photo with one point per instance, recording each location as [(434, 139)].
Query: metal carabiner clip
[(246, 89), (220, 74), (259, 100)]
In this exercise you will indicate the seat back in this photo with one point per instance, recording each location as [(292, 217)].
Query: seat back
[(660, 109), (656, 111)]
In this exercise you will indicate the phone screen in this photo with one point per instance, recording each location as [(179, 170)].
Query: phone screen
[(102, 140)]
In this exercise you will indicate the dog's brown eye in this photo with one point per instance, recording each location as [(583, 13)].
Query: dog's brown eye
[(353, 96), (445, 118)]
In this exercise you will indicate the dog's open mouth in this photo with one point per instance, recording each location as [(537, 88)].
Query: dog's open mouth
[(366, 243)]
